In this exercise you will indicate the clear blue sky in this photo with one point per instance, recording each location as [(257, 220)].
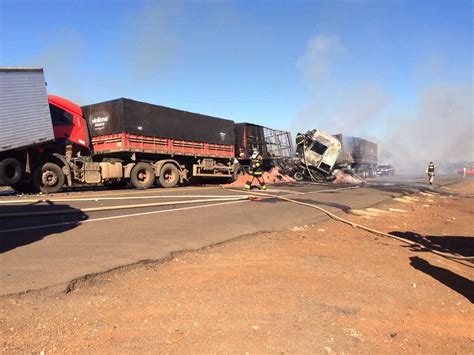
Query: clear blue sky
[(285, 64)]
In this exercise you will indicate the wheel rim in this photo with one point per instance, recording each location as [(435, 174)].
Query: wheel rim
[(49, 178), (169, 175), (143, 176)]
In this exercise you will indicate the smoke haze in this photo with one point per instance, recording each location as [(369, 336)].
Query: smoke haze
[(440, 128)]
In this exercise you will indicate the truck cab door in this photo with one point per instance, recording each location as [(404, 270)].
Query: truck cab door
[(68, 123)]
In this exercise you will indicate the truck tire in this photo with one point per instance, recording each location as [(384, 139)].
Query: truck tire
[(298, 176), (142, 176), (169, 175), (48, 178), (10, 171)]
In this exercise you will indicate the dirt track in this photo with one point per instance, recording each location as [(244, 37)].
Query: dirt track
[(314, 289)]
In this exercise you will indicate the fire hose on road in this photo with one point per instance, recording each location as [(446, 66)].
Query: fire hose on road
[(211, 198), (360, 226)]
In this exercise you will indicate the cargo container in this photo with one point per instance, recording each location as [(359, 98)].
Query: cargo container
[(25, 119), (358, 154), (179, 144), (273, 145), (38, 133)]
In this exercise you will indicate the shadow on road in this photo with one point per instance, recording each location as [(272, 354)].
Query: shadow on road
[(340, 206), (461, 285), (449, 244), (16, 232)]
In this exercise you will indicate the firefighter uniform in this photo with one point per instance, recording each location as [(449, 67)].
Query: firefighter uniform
[(256, 172), (431, 172)]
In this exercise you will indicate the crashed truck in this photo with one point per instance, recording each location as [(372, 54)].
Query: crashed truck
[(319, 155), (315, 156)]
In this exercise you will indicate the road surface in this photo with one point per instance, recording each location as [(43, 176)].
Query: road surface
[(38, 251)]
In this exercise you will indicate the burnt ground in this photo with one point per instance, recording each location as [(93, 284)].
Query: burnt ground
[(313, 288)]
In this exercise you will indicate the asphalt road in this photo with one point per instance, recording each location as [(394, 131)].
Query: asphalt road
[(70, 241)]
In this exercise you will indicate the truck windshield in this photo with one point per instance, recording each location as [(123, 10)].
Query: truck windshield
[(318, 148), (60, 117)]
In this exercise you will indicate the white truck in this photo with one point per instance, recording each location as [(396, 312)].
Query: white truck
[(316, 155)]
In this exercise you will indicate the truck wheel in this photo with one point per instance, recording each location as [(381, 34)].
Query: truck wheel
[(10, 171), (169, 175), (48, 178), (142, 176), (298, 176)]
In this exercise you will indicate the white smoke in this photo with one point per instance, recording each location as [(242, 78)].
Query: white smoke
[(440, 129), (316, 63)]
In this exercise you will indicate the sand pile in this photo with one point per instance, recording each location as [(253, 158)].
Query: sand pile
[(271, 177), (346, 178)]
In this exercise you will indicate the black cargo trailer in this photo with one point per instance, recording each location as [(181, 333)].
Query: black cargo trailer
[(358, 154), (174, 144), (139, 118), (273, 145)]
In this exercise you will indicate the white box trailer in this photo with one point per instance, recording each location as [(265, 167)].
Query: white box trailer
[(25, 118)]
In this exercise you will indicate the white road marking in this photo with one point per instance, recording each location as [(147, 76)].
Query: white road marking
[(150, 213), (117, 217), (117, 198)]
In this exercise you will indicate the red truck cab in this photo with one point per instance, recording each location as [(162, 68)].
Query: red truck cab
[(68, 122)]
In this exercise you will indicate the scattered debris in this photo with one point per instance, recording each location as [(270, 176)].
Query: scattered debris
[(402, 200), (299, 229), (342, 177), (397, 210), (376, 210), (271, 177), (362, 213)]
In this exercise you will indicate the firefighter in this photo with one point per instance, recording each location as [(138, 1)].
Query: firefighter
[(431, 172), (256, 171)]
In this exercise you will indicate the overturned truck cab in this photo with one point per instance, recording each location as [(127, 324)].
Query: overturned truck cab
[(316, 155)]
